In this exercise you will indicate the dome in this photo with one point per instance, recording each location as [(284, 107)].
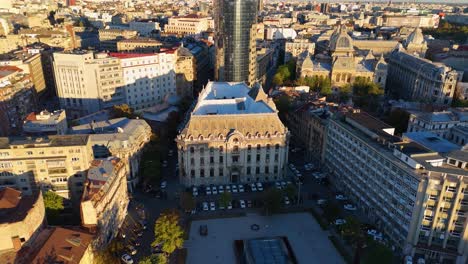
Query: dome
[(341, 40), (416, 37)]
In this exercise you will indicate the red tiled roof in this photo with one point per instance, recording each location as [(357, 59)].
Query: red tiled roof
[(129, 55), (31, 117), (9, 198)]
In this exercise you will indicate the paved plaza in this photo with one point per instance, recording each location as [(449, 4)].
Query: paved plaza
[(308, 241)]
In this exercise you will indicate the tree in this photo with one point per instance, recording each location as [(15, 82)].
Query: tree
[(154, 259), (168, 233), (352, 229), (363, 87), (290, 191), (123, 110), (272, 200), (53, 204), (378, 253), (331, 211), (278, 79), (187, 202), (225, 198)]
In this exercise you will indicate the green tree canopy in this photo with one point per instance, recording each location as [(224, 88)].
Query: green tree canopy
[(363, 87), (53, 204), (285, 73), (123, 110), (272, 200), (154, 259), (168, 233), (225, 198), (378, 253), (187, 202), (290, 191)]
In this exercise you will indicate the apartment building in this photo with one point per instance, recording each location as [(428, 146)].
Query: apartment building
[(428, 21), (139, 45), (108, 38), (46, 123), (410, 191), (296, 47), (87, 82), (105, 199), (17, 99), (439, 123), (122, 138), (186, 72), (148, 79), (56, 163), (144, 27), (234, 135), (416, 79), (187, 25), (30, 63)]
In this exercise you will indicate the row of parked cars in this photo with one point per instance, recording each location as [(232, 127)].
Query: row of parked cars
[(212, 206), (231, 188)]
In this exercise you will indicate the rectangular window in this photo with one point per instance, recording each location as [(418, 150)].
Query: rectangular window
[(276, 157), (221, 172), (257, 170), (202, 173), (202, 161), (267, 169), (211, 172), (192, 173), (258, 157), (248, 158), (211, 160), (221, 159), (248, 170)]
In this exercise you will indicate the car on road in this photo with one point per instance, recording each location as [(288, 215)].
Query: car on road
[(214, 190), (286, 200), (164, 163), (132, 249), (341, 197), (340, 222), (408, 260), (242, 203), (127, 259), (205, 206), (228, 188), (221, 206), (278, 185), (249, 203), (221, 189), (376, 235), (321, 201), (259, 186), (171, 153), (208, 190), (241, 188), (234, 188), (163, 184), (253, 187), (203, 230), (212, 206), (195, 191), (283, 184), (350, 207)]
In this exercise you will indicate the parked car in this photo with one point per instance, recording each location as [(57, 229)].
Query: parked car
[(208, 190), (228, 188), (421, 261), (340, 221), (229, 206), (375, 234), (341, 197), (214, 190), (171, 153), (212, 206), (127, 259), (234, 188), (163, 184), (253, 187), (203, 230), (286, 200), (350, 207), (408, 260), (241, 188), (205, 206), (131, 249), (195, 191), (164, 163), (321, 201), (278, 185), (249, 203), (242, 203), (259, 186), (221, 189)]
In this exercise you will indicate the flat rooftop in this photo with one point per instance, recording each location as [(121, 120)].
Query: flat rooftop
[(431, 141), (223, 98), (47, 141)]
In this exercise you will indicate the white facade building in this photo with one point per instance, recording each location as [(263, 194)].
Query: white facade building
[(234, 135), (144, 28), (148, 78)]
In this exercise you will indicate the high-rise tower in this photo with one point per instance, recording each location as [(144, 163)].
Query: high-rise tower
[(235, 29)]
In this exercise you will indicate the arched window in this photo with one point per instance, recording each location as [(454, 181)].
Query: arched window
[(277, 146), (220, 148), (235, 140), (235, 149), (258, 147)]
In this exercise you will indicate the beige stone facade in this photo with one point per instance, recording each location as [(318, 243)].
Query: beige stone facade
[(105, 199), (187, 25), (185, 70), (233, 135), (56, 163), (341, 65), (141, 45), (21, 221), (297, 47)]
